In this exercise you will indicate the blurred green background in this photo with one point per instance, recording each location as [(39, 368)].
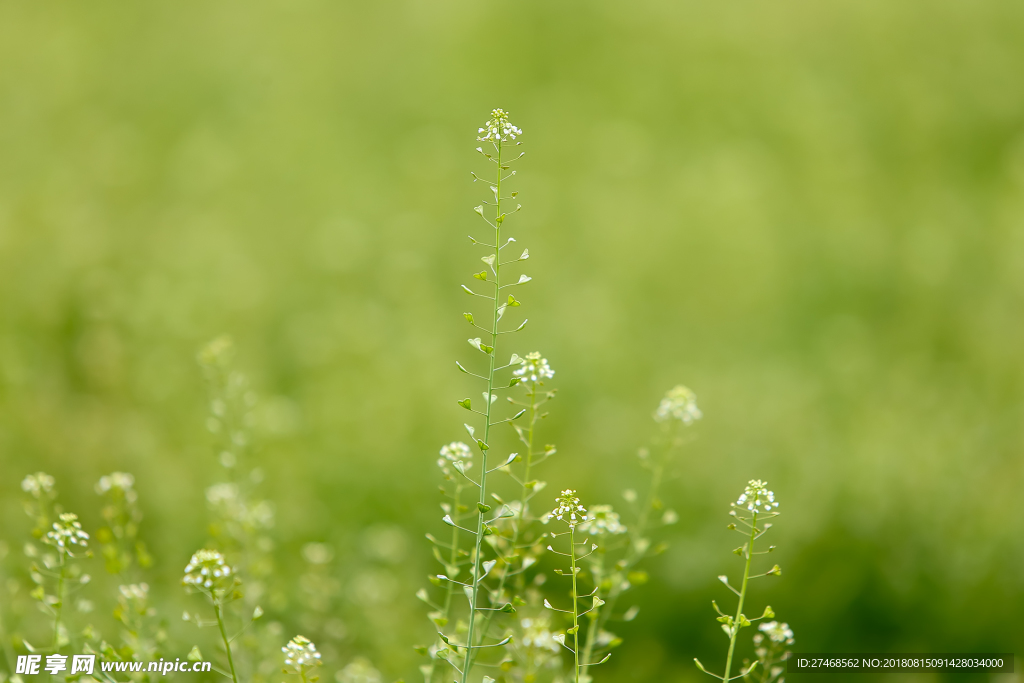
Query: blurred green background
[(812, 213)]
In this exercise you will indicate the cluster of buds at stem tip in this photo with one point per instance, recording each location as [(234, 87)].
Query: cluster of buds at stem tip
[(300, 656), (535, 368), (498, 128), (680, 404), (207, 570), (67, 533), (757, 498), (569, 509)]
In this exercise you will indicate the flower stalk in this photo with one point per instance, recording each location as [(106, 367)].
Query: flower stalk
[(756, 504)]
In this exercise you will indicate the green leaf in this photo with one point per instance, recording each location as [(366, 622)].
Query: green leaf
[(483, 507), (512, 301), (482, 275), (465, 403), (468, 317), (194, 655)]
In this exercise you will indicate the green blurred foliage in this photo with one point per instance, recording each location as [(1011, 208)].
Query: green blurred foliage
[(811, 213)]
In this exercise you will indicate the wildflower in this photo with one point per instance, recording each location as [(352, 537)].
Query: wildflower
[(67, 531), (301, 655), (536, 634), (227, 501), (779, 633), (680, 403), (38, 484), (569, 504), (135, 591), (206, 570), (498, 128), (602, 520), (115, 480), (535, 368), (757, 498), (456, 451)]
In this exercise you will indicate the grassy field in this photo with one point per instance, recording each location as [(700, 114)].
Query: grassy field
[(810, 213)]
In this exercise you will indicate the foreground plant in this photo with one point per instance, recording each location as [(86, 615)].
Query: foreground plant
[(751, 512), (499, 134), (301, 659), (209, 574), (572, 512), (55, 569), (771, 646)]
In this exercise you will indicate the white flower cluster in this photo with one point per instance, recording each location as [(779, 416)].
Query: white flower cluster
[(680, 403), (534, 368), (38, 484), (226, 500), (779, 633), (135, 591), (456, 451), (115, 480), (300, 654), (569, 505), (537, 635), (498, 128), (206, 569), (602, 520), (67, 531), (757, 498)]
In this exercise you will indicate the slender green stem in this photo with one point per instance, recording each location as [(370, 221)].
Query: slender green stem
[(523, 502), (575, 599), (743, 595), (58, 609), (596, 621), (224, 637), (468, 661)]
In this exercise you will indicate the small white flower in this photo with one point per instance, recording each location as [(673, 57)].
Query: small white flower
[(537, 634), (207, 570), (757, 498), (602, 520), (135, 591), (498, 128), (779, 633), (300, 655), (535, 368), (680, 403), (569, 509), (455, 452), (38, 484), (115, 480), (66, 532)]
